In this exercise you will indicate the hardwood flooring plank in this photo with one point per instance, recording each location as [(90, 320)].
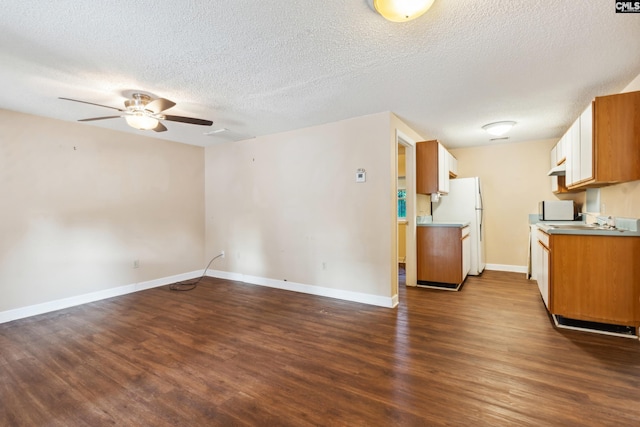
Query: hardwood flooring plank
[(232, 354)]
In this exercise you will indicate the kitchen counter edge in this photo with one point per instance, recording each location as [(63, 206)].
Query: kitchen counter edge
[(444, 224)]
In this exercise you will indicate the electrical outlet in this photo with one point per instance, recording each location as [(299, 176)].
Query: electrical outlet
[(222, 253), (136, 263)]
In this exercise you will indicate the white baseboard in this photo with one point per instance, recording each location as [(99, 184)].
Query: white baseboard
[(46, 307), (505, 267), (395, 301), (388, 302)]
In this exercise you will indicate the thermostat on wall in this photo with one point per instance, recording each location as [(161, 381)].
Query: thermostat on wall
[(361, 175)]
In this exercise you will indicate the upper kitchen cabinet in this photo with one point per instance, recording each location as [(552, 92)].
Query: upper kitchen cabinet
[(605, 143), (453, 165), (559, 161), (434, 165)]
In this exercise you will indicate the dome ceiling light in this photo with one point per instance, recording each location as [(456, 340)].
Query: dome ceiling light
[(498, 128), (401, 10)]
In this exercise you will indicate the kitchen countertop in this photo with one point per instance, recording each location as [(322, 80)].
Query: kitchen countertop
[(454, 224), (587, 230)]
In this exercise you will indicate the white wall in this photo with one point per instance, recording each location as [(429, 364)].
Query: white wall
[(80, 203), (287, 207)]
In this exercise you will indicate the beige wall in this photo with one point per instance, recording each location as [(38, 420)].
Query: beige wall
[(80, 203), (287, 207), (514, 178)]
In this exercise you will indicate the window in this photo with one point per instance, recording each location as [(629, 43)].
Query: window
[(402, 204)]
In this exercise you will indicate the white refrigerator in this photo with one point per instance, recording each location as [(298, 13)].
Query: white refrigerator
[(464, 203)]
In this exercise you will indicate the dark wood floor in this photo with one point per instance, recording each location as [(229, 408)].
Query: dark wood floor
[(234, 354)]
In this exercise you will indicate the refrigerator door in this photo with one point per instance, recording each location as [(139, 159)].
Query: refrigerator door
[(460, 203), (481, 227), (464, 203)]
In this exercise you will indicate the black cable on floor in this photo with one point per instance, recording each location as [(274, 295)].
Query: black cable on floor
[(189, 285)]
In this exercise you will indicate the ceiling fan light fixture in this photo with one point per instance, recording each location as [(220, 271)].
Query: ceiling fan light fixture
[(498, 128), (141, 121), (402, 10)]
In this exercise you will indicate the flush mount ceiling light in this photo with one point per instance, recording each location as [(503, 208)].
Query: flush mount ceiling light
[(401, 10), (498, 128)]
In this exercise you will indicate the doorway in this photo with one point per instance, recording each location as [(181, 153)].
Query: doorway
[(405, 266)]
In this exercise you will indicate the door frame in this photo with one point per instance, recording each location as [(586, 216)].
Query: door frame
[(411, 266)]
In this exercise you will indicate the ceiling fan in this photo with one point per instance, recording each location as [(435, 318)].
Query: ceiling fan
[(143, 113)]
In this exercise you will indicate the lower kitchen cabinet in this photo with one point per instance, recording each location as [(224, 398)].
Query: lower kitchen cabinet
[(444, 254), (594, 278)]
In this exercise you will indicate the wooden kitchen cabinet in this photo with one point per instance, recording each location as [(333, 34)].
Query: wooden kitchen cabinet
[(594, 278), (605, 143), (443, 254), (433, 168)]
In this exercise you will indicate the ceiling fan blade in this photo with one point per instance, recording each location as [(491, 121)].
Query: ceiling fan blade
[(159, 105), (98, 118), (189, 120), (160, 128), (90, 103)]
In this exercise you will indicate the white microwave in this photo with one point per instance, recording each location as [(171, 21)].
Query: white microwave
[(557, 210)]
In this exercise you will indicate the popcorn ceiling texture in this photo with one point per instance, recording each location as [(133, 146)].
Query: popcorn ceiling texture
[(259, 68)]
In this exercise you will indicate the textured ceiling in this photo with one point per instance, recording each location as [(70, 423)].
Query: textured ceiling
[(259, 68)]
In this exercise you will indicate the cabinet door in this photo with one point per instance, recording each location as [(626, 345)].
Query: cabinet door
[(439, 254), (427, 167), (453, 166), (561, 154), (466, 252), (570, 174), (576, 151), (595, 278), (543, 274), (586, 144), (443, 169)]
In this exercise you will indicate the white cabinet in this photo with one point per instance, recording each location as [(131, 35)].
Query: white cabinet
[(443, 169), (542, 273), (466, 251), (453, 166), (586, 144), (580, 154), (569, 165), (573, 153), (561, 154)]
